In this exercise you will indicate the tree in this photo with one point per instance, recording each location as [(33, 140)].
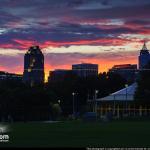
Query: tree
[(56, 111), (106, 83), (25, 103), (143, 90)]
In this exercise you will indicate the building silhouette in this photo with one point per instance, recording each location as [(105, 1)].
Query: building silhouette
[(144, 57), (127, 71), (58, 74), (33, 66), (85, 69), (10, 76)]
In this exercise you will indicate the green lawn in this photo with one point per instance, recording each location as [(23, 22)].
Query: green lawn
[(80, 134)]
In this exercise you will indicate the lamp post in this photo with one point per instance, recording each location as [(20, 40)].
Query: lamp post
[(73, 94), (59, 102), (126, 85), (114, 108), (96, 92)]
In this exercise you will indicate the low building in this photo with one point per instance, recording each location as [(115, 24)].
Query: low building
[(58, 74), (127, 71), (10, 76), (125, 94), (85, 69), (120, 104)]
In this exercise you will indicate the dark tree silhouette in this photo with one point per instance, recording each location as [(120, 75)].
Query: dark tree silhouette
[(143, 90), (20, 102)]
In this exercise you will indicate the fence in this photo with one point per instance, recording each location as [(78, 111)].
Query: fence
[(124, 112)]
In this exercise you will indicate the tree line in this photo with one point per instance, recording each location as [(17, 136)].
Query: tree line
[(20, 102)]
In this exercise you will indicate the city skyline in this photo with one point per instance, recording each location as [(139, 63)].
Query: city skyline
[(99, 31)]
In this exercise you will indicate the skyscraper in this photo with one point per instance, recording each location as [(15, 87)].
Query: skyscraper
[(33, 66), (144, 57)]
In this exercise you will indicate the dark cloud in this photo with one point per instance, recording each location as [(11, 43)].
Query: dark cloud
[(70, 22), (74, 9), (139, 22), (46, 13), (63, 33)]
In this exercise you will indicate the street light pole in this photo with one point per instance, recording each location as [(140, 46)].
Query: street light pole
[(114, 109), (59, 102), (96, 92), (73, 94), (126, 85)]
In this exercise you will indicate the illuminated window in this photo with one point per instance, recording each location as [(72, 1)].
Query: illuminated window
[(29, 70), (33, 60), (31, 65), (28, 52)]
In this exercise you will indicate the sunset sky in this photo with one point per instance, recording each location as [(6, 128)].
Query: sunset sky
[(106, 32)]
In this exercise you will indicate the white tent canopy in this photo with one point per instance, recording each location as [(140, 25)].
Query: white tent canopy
[(125, 94)]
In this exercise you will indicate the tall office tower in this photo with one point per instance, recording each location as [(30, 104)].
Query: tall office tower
[(144, 57), (33, 66)]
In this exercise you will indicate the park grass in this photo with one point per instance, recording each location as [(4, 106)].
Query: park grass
[(80, 134)]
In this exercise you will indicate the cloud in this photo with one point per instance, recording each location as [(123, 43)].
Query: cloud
[(11, 63), (66, 34), (71, 21), (71, 31)]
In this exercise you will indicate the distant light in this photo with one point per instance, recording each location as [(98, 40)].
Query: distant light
[(29, 70), (28, 52), (31, 65), (33, 60), (96, 91)]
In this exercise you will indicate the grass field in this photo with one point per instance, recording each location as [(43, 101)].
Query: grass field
[(80, 134)]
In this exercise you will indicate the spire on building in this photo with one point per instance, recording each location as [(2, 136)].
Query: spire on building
[(144, 57), (144, 46)]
